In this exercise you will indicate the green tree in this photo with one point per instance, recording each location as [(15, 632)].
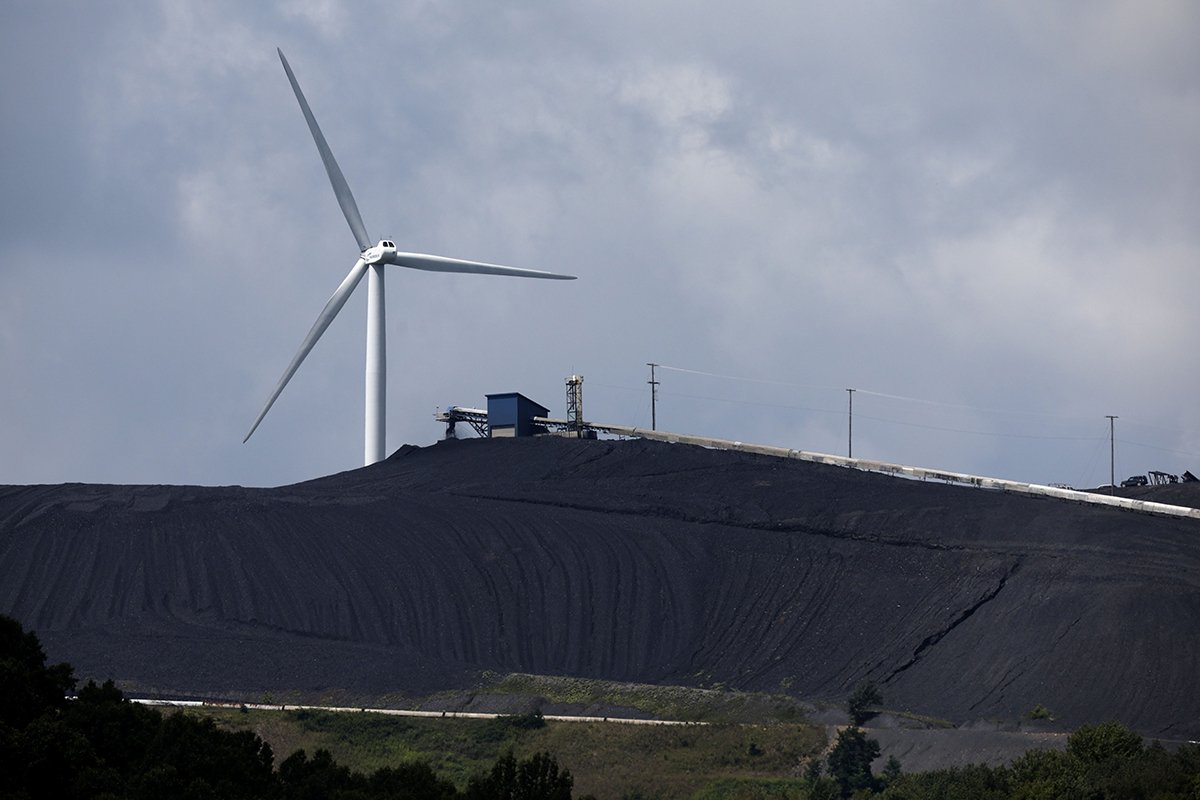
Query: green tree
[(102, 746), (1048, 774), (891, 770), (412, 781), (40, 754), (1095, 744), (316, 778), (537, 778), (850, 761), (53, 762), (229, 764), (28, 688), (866, 695)]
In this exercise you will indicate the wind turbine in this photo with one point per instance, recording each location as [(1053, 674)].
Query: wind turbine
[(372, 258)]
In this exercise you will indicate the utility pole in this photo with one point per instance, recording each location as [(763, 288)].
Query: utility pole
[(653, 397), (1112, 456), (850, 434)]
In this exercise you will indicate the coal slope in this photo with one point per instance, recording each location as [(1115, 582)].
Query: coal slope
[(624, 560)]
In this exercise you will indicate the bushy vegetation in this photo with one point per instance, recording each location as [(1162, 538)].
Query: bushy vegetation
[(99, 745), (1101, 761), (608, 760)]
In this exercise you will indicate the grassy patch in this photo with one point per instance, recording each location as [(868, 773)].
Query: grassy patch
[(365, 742), (754, 789), (673, 762), (609, 760), (662, 702), (924, 719)]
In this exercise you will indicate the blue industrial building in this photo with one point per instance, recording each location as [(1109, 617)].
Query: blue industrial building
[(512, 413)]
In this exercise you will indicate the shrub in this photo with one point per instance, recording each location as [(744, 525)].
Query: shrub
[(1039, 712), (525, 722)]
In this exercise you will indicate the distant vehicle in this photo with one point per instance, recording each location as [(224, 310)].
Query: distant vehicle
[(1136, 480)]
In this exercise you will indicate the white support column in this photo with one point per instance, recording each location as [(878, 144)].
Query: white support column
[(376, 377)]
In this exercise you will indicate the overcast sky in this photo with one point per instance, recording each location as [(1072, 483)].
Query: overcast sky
[(983, 217)]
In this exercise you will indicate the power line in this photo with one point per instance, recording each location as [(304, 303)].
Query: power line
[(909, 399), (982, 433), (742, 378), (1097, 438), (1157, 447), (888, 420), (886, 395)]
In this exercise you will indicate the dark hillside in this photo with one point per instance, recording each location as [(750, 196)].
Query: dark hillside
[(627, 560)]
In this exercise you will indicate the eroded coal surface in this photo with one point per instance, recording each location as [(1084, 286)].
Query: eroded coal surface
[(633, 560)]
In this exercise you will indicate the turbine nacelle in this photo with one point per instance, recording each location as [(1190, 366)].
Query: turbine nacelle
[(382, 253)]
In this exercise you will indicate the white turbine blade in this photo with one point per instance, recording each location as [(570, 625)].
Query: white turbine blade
[(330, 311), (443, 264), (342, 189)]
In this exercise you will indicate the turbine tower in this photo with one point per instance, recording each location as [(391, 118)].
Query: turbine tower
[(372, 258)]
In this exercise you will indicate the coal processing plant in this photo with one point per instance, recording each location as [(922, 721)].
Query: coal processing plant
[(512, 414)]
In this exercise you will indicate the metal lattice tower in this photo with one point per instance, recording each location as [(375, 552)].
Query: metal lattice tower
[(653, 397), (575, 404)]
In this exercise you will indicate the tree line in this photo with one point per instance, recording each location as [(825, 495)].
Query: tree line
[(98, 745), (1105, 761)]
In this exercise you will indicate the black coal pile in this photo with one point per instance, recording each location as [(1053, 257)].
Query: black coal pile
[(630, 560)]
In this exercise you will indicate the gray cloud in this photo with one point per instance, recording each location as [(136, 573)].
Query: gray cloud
[(990, 209)]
